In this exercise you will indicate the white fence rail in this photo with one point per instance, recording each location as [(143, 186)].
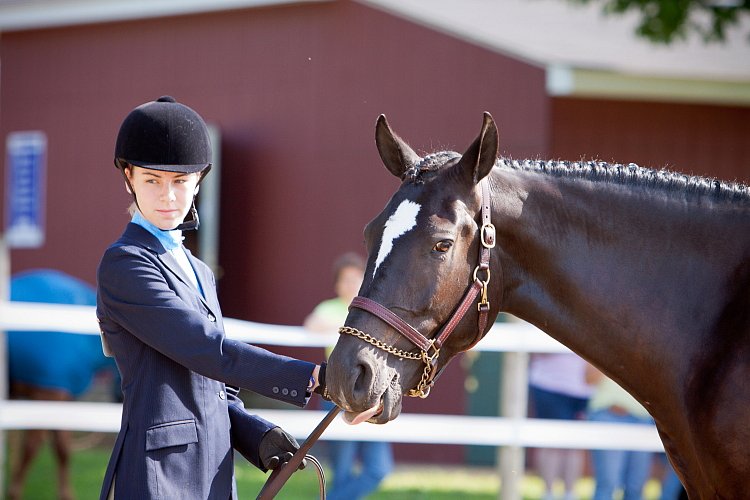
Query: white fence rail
[(504, 337), (408, 428)]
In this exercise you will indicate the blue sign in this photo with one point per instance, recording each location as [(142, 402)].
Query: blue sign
[(25, 174)]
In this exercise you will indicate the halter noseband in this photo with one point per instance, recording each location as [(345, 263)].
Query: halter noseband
[(430, 348)]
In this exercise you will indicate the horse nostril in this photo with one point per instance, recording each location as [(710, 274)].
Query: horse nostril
[(362, 386)]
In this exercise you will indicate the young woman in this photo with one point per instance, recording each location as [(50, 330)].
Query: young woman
[(160, 319)]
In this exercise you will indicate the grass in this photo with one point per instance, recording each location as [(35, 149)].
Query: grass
[(406, 482)]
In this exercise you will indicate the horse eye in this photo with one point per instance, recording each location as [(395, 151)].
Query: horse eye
[(442, 246)]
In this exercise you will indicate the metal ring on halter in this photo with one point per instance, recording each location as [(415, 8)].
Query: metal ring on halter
[(485, 283)]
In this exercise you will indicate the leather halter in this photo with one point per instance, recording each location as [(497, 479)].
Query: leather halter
[(430, 347)]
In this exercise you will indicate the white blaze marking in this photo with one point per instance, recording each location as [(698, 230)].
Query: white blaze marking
[(402, 220)]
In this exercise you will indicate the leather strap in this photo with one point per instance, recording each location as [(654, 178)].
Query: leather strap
[(392, 319), (458, 315), (283, 472)]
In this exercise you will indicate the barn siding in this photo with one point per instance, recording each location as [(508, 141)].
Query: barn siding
[(695, 139)]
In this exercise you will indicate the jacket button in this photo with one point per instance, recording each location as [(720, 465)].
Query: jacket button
[(284, 391), (293, 393), (211, 318), (222, 395), (275, 390)]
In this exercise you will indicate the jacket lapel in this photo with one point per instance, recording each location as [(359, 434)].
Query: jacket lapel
[(151, 242), (205, 280)]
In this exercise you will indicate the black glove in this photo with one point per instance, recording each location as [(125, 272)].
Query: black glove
[(277, 447), (322, 389)]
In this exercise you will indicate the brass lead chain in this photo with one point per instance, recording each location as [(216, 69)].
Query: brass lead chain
[(423, 388), (379, 344)]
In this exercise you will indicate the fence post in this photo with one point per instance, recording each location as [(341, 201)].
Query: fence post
[(515, 394), (4, 296)]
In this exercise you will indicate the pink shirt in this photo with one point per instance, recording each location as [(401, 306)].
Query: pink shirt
[(563, 373)]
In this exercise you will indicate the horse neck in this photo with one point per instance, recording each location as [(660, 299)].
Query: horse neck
[(612, 272)]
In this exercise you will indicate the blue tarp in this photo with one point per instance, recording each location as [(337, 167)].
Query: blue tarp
[(54, 360)]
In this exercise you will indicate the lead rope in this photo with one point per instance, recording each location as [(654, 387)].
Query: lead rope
[(283, 472), (321, 475)]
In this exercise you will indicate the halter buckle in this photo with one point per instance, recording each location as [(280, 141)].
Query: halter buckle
[(487, 235)]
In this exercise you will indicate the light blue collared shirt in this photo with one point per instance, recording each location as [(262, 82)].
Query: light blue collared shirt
[(172, 242)]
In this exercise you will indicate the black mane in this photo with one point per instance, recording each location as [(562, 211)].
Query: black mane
[(598, 171), (634, 175)]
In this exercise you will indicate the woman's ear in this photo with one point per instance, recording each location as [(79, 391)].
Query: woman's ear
[(127, 172)]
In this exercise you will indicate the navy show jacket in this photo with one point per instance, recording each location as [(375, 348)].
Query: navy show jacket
[(180, 376)]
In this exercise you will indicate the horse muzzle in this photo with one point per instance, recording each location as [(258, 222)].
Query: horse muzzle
[(360, 380)]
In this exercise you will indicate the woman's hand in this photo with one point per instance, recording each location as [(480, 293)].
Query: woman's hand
[(277, 448), (320, 381)]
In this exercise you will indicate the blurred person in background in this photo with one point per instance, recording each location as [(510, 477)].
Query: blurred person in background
[(358, 466), (558, 390), (617, 469)]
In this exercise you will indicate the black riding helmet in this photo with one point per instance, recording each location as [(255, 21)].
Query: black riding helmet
[(168, 136)]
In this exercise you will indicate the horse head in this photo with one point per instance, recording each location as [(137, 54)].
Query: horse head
[(424, 296)]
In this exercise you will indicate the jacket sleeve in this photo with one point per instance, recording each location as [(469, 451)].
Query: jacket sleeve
[(247, 429), (135, 296)]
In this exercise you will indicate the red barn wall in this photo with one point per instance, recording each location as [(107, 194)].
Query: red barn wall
[(695, 139)]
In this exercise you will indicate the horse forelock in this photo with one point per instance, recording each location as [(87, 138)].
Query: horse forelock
[(429, 164), (634, 175)]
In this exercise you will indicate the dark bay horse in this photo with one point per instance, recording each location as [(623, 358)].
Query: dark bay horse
[(644, 273)]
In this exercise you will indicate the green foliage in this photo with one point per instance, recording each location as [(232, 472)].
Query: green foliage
[(665, 21)]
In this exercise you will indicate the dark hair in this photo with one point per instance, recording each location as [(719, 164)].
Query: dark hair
[(349, 259)]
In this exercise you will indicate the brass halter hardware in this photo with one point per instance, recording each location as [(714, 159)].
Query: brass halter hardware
[(423, 388), (379, 343), (429, 348)]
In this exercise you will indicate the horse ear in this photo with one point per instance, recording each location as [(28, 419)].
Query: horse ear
[(479, 159), (397, 156)]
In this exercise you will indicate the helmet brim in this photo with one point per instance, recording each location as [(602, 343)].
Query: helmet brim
[(183, 169)]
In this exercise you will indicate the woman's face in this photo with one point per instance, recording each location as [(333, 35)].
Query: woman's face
[(164, 198)]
